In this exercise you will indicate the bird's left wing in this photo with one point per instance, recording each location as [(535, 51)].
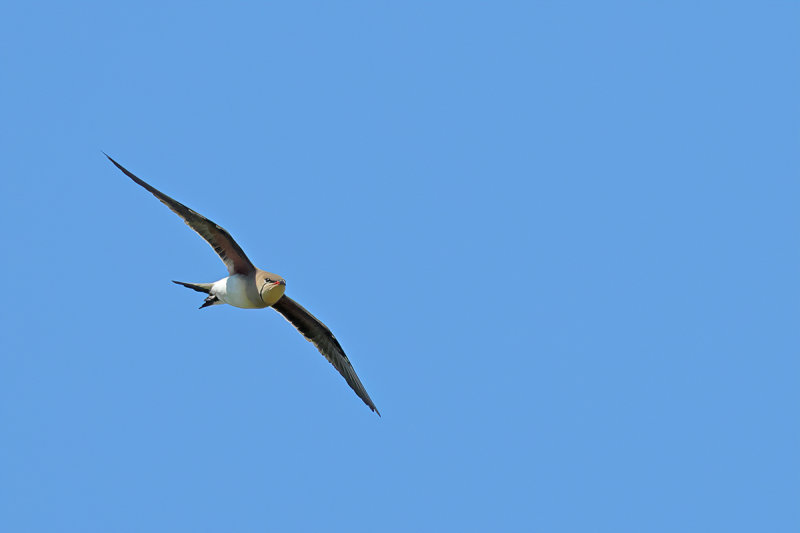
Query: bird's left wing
[(318, 333), (220, 240)]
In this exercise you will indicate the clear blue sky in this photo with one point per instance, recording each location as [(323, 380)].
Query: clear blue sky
[(559, 242)]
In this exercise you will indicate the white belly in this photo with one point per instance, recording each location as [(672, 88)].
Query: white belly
[(233, 290)]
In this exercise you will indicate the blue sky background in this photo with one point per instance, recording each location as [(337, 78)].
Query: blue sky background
[(559, 242)]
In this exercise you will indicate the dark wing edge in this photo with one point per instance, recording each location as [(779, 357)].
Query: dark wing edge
[(220, 240), (320, 336)]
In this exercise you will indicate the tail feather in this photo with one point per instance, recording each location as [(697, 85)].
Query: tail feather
[(199, 287), (211, 300)]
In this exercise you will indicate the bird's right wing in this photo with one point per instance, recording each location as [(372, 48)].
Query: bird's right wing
[(318, 333), (220, 240)]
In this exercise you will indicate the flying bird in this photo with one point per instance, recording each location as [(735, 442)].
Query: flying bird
[(250, 287)]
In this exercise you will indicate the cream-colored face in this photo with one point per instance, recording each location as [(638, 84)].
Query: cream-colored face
[(271, 287)]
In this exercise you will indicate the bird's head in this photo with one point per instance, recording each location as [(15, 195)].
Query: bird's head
[(270, 286)]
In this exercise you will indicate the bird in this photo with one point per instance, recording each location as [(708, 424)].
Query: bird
[(249, 287)]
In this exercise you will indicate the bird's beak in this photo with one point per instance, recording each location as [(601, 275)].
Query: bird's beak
[(281, 282)]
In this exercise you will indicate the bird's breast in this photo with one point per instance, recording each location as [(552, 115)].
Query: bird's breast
[(238, 290)]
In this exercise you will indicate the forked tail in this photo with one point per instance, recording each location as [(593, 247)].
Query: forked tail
[(201, 287)]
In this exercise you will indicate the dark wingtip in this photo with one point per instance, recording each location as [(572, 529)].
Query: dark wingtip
[(113, 161)]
